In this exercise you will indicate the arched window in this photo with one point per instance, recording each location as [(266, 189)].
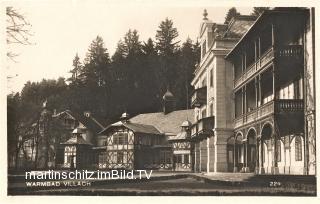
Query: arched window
[(298, 149)]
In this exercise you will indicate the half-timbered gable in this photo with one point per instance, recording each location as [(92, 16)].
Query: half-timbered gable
[(131, 146), (78, 152), (182, 148)]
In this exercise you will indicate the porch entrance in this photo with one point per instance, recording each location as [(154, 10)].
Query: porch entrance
[(242, 152)]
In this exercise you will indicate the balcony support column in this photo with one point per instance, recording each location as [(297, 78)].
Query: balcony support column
[(256, 81), (255, 51), (242, 100), (262, 170), (273, 34), (246, 168), (235, 168), (245, 61), (274, 81), (275, 168), (257, 156), (259, 51), (245, 99), (259, 90), (242, 64)]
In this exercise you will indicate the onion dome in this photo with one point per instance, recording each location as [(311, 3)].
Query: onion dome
[(125, 116), (168, 96), (186, 124)]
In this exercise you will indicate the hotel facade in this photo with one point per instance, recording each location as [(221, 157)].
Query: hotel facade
[(254, 94)]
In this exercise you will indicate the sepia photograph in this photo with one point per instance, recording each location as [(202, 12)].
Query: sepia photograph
[(126, 99)]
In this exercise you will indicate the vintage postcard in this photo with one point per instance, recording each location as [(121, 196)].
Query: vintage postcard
[(133, 98)]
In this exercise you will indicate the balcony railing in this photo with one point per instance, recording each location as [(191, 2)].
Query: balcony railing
[(203, 127), (254, 67), (286, 52), (278, 106), (289, 105), (291, 51), (199, 97)]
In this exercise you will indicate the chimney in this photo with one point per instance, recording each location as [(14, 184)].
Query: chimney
[(169, 102), (125, 117)]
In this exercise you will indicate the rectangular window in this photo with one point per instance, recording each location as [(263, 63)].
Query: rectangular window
[(204, 113), (186, 159), (291, 91), (168, 157), (114, 157), (120, 138), (253, 154), (119, 157), (179, 158), (204, 48), (211, 109), (125, 157), (162, 157), (269, 144), (298, 149), (230, 156)]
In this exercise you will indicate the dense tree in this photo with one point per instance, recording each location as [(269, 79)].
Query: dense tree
[(257, 11), (189, 57), (166, 35), (129, 68), (231, 13), (96, 64), (76, 70), (133, 80), (151, 62), (167, 47), (95, 77)]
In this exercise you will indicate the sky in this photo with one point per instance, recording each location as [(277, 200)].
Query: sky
[(60, 30)]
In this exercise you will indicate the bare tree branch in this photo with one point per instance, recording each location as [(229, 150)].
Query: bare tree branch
[(18, 30)]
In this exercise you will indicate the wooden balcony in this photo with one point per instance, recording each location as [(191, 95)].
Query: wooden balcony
[(256, 66), (292, 54), (287, 53), (291, 51), (279, 106), (289, 105), (199, 97), (203, 128)]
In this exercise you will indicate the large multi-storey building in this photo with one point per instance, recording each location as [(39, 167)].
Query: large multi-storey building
[(254, 94), (212, 98), (273, 87)]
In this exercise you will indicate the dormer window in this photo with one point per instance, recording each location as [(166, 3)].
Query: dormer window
[(204, 48)]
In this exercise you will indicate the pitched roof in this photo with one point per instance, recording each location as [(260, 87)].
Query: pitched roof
[(135, 127), (166, 123), (260, 21), (239, 25), (77, 140), (180, 136), (89, 122)]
